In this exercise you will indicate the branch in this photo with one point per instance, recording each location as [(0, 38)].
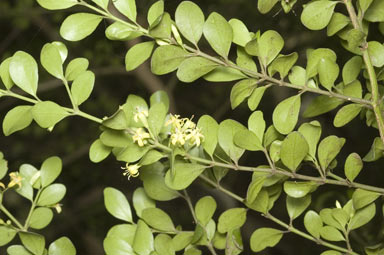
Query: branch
[(375, 101)]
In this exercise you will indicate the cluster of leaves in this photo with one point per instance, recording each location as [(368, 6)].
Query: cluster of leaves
[(166, 169), (35, 185)]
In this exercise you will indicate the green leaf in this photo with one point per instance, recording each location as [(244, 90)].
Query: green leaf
[(204, 209), (182, 240), (375, 12), (50, 170), (362, 198), (164, 245), (311, 132), (226, 134), (218, 33), (352, 69), (143, 243), (50, 59), (119, 31), (57, 5), (154, 184), (52, 194), (269, 46), (255, 98), (328, 149), (118, 120), (265, 237), (316, 15), (167, 59), (151, 157), (313, 223), (274, 150), (256, 124), (184, 175), (24, 73), (293, 150), (157, 219), (327, 217), (62, 246), (17, 250), (17, 119), (364, 4), (82, 87), (247, 140), (254, 189), (376, 151), (35, 243), (328, 72), (6, 235), (163, 29), (4, 73), (264, 6), (3, 167), (231, 219), (75, 68), (331, 234), (193, 68), (117, 204), (299, 189), (41, 217), (241, 35), (98, 151), (353, 166), (337, 22), (314, 57), (119, 240), (116, 138), (190, 19), (222, 73), (79, 25), (362, 216), (141, 201), (244, 60), (160, 96), (156, 117), (283, 64), (155, 11), (353, 89), (138, 54), (296, 206), (286, 114), (346, 114), (47, 114), (209, 128), (102, 3), (320, 105), (298, 76), (127, 8), (376, 53), (241, 90)]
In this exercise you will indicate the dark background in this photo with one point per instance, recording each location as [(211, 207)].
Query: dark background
[(24, 25)]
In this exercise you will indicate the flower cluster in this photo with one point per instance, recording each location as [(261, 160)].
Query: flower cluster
[(184, 130)]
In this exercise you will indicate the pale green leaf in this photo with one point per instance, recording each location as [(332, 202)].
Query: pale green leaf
[(204, 209), (283, 64), (362, 216), (52, 194), (320, 105), (141, 201), (40, 218), (352, 69), (121, 32), (102, 3), (226, 133), (127, 8), (76, 67), (286, 114), (375, 12), (362, 198), (328, 149), (156, 117), (264, 6), (346, 114), (50, 170), (296, 206), (82, 87), (241, 35), (255, 98), (117, 204), (193, 68), (79, 25), (6, 235), (313, 223), (17, 250), (337, 22), (35, 243), (353, 166), (376, 53), (316, 15), (17, 119), (293, 150), (57, 5), (62, 246), (256, 124), (155, 11), (223, 73), (190, 19), (265, 237), (311, 132), (269, 46), (23, 71), (184, 175), (164, 245), (218, 33), (299, 189), (51, 60), (47, 114), (331, 234), (209, 128), (167, 59), (143, 243), (157, 219), (4, 73), (314, 57), (231, 219), (241, 90), (138, 54), (328, 72)]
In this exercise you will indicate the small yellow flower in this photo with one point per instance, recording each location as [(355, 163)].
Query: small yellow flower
[(15, 180), (141, 115), (195, 136), (175, 121), (131, 170), (188, 124), (2, 185), (178, 138), (141, 137), (58, 208)]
